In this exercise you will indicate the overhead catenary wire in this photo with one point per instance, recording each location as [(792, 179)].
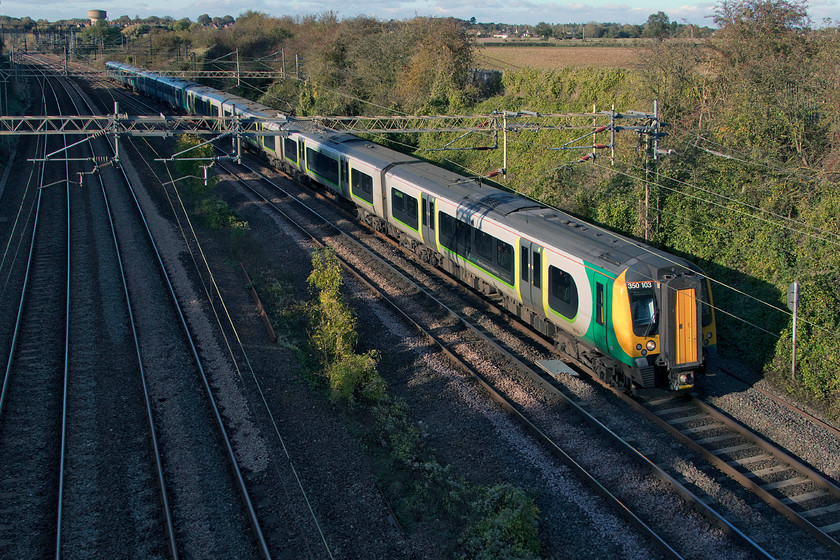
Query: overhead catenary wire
[(719, 282), (742, 158), (733, 200)]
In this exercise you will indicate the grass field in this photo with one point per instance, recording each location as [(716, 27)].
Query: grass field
[(546, 58)]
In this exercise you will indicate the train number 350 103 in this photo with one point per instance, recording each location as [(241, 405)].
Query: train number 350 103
[(639, 285)]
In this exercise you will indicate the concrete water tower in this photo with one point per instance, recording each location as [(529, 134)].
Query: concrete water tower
[(96, 15)]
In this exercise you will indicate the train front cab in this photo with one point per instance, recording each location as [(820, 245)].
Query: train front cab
[(664, 322)]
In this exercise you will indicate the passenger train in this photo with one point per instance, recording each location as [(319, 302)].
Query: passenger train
[(637, 317)]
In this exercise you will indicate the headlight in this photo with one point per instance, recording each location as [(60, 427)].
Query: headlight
[(651, 345), (684, 378)]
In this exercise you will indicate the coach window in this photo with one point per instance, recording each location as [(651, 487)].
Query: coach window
[(537, 269), (447, 230), (404, 208), (322, 165), (362, 185), (562, 293), (454, 234), (290, 149), (504, 257), (483, 245)]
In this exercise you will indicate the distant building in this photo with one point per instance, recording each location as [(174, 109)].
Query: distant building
[(96, 15)]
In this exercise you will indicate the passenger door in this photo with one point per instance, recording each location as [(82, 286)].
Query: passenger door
[(427, 210), (530, 274), (301, 155), (600, 326), (344, 177)]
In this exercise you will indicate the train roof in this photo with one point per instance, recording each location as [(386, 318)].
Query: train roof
[(552, 227), (376, 155)]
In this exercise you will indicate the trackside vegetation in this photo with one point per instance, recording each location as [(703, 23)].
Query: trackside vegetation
[(488, 523)]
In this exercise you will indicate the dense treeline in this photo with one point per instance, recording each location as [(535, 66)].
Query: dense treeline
[(658, 25), (748, 188)]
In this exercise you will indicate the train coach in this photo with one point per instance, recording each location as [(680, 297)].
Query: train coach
[(638, 317)]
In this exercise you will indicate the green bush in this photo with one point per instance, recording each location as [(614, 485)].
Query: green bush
[(507, 526), (396, 431), (333, 336), (355, 374)]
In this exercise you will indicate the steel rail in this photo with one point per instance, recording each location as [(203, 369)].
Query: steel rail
[(744, 480), (65, 395), (239, 479), (169, 527)]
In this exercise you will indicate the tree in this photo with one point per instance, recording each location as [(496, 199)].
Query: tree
[(658, 26), (101, 31), (204, 20), (543, 30), (770, 77), (437, 71), (182, 24)]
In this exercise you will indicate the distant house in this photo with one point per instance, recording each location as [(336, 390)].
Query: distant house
[(501, 36)]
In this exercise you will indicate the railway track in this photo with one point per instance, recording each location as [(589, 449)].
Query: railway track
[(137, 415), (791, 487), (31, 402)]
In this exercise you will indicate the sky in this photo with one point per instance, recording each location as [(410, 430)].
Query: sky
[(528, 12)]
